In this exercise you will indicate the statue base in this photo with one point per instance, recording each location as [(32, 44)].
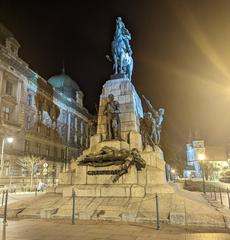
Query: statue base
[(97, 180), (100, 184), (129, 105), (93, 180)]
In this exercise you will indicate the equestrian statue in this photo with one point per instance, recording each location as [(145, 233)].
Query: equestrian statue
[(121, 50)]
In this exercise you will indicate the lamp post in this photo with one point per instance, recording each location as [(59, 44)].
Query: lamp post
[(173, 174), (9, 140), (201, 157), (45, 172)]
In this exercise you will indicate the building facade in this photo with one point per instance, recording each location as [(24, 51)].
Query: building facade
[(193, 150), (46, 118), (215, 161)]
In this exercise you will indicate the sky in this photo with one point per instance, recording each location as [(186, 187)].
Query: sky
[(181, 52)]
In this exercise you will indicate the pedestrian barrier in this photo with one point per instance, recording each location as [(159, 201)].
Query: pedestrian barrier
[(5, 209), (221, 200), (228, 198), (3, 195), (157, 211), (73, 208), (221, 191)]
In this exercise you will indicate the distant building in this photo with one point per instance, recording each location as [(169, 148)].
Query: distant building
[(46, 118), (193, 150), (215, 162)]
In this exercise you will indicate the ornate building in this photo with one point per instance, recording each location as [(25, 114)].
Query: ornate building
[(193, 150), (45, 118)]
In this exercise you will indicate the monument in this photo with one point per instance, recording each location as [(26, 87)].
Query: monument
[(117, 177), (124, 158)]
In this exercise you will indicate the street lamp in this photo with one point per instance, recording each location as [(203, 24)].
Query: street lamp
[(201, 157), (45, 171), (8, 140)]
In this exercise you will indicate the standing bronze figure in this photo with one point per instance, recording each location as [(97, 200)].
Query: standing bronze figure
[(112, 118), (159, 117)]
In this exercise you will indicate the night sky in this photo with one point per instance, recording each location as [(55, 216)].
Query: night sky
[(181, 53)]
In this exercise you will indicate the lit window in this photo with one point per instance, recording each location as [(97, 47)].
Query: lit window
[(28, 122), (75, 126), (6, 113), (38, 129), (47, 151), (55, 153), (9, 88), (62, 154), (82, 133), (38, 148), (48, 132)]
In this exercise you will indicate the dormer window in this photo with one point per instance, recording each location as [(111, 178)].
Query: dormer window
[(12, 45)]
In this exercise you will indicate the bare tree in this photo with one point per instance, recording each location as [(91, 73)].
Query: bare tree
[(30, 163)]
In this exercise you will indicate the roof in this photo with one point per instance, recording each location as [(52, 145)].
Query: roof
[(216, 153), (64, 84)]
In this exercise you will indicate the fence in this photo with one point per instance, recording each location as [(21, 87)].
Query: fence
[(220, 194)]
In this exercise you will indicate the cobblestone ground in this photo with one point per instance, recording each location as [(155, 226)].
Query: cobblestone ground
[(90, 230)]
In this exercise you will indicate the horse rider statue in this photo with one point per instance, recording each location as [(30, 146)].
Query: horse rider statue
[(121, 50)]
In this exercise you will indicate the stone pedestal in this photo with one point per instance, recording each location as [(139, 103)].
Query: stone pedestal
[(130, 107), (134, 183)]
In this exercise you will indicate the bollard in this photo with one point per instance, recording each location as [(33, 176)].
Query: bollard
[(36, 191), (215, 192), (221, 201), (228, 199), (3, 196), (5, 209), (4, 233), (211, 190), (157, 211), (73, 209)]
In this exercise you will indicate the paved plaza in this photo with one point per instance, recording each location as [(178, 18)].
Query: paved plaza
[(35, 229)]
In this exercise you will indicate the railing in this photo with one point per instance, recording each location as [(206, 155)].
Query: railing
[(220, 194)]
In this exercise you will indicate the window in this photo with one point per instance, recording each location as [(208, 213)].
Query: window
[(27, 146), (29, 100), (6, 113), (9, 88), (75, 126), (38, 148), (48, 132), (28, 122), (82, 132), (47, 151), (62, 154), (55, 153), (38, 129)]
